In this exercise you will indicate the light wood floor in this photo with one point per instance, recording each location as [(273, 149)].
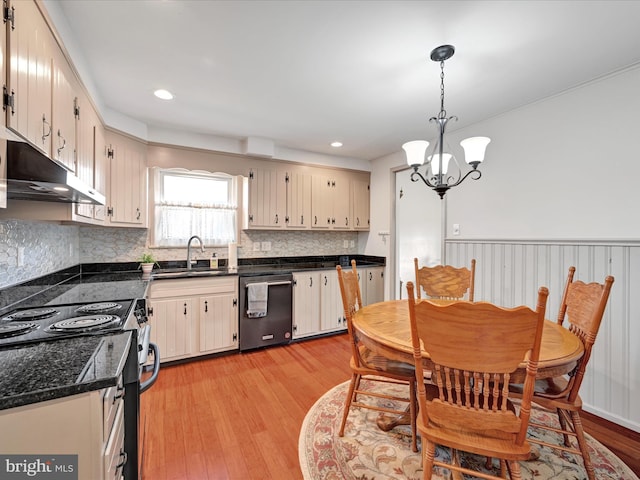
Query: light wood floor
[(238, 417)]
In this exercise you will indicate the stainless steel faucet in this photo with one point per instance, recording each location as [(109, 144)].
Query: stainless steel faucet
[(196, 237)]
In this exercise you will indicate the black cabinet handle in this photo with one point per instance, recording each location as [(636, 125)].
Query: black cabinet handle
[(206, 306)]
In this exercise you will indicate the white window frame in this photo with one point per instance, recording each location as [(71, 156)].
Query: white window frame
[(215, 223)]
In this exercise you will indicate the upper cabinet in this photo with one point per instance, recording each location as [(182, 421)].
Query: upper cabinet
[(3, 142), (267, 198), (303, 197), (127, 191), (28, 92), (360, 204), (63, 120)]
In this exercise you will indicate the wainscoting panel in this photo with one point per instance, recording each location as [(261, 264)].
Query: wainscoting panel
[(509, 273)]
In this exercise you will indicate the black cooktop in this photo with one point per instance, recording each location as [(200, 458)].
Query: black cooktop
[(52, 322)]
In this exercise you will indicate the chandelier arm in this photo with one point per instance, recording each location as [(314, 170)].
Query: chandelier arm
[(473, 177), (417, 175)]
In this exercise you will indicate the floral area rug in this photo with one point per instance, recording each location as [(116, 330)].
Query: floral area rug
[(367, 453)]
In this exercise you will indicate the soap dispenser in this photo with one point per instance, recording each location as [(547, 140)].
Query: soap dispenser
[(213, 262)]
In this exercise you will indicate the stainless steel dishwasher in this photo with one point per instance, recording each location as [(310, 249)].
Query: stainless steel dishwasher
[(272, 326)]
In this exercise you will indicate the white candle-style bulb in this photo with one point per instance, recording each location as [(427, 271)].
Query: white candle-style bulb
[(435, 163), (474, 149), (415, 151)]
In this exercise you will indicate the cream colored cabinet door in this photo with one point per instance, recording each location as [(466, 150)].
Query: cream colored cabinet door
[(360, 201), (172, 326), (63, 135), (90, 158), (298, 200), (306, 304), (267, 199), (218, 322), (330, 202), (30, 45), (127, 199), (321, 202), (3, 118), (331, 310), (372, 284)]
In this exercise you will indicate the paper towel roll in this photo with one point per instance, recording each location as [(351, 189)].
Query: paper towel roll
[(232, 262)]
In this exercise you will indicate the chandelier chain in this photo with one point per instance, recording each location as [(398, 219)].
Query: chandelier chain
[(443, 112)]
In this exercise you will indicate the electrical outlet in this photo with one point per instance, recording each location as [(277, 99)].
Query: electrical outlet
[(266, 246), (345, 244), (353, 243), (21, 256), (256, 246)]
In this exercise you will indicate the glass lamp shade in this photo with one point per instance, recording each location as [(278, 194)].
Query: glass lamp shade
[(415, 152), (435, 163), (474, 149)]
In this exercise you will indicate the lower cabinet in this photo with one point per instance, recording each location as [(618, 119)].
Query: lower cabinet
[(89, 425), (193, 316), (371, 284), (317, 304)]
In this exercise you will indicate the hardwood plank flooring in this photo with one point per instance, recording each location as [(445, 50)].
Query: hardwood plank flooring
[(238, 416)]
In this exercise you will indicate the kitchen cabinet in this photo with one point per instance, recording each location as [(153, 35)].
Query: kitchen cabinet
[(298, 200), (172, 326), (306, 304), (330, 202), (331, 309), (371, 284), (64, 103), (89, 425), (267, 198), (193, 316), (91, 160), (127, 178), (3, 119), (28, 99), (360, 200), (317, 304)]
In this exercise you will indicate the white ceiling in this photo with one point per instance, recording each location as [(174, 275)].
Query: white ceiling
[(306, 73)]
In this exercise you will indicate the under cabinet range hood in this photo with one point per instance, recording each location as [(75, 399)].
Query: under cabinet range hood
[(33, 176)]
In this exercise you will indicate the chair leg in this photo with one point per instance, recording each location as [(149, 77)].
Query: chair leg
[(563, 426), (582, 444), (355, 381), (428, 457), (413, 411), (514, 470)]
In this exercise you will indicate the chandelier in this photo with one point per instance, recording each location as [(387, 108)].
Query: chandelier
[(443, 170)]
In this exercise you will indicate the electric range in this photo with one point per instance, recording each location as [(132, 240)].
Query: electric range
[(52, 322)]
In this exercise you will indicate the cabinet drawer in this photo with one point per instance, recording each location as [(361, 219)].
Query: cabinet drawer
[(110, 402), (114, 455), (192, 286)]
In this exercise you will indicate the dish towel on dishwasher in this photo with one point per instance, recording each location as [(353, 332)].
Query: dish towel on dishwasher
[(257, 295)]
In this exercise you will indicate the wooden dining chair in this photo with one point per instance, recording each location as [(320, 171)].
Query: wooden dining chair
[(366, 364), (474, 348), (582, 306), (445, 282)]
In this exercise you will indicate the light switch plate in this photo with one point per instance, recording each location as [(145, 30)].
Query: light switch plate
[(266, 246), (256, 246), (456, 229)]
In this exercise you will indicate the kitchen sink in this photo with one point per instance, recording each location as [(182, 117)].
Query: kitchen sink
[(185, 273)]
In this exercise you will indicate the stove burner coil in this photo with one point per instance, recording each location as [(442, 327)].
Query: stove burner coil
[(33, 314), (99, 307), (16, 328), (89, 322)]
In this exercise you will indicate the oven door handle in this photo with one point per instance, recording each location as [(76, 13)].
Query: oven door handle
[(144, 386)]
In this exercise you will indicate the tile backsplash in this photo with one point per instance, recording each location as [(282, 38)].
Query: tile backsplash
[(48, 247)]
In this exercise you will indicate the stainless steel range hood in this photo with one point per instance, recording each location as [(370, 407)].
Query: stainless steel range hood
[(33, 176)]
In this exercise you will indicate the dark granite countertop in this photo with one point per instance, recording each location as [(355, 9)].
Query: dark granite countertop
[(261, 266), (48, 370)]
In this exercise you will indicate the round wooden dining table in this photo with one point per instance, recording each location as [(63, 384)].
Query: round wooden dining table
[(384, 328)]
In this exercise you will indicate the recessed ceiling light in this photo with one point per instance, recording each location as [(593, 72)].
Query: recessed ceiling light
[(336, 144), (163, 94)]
